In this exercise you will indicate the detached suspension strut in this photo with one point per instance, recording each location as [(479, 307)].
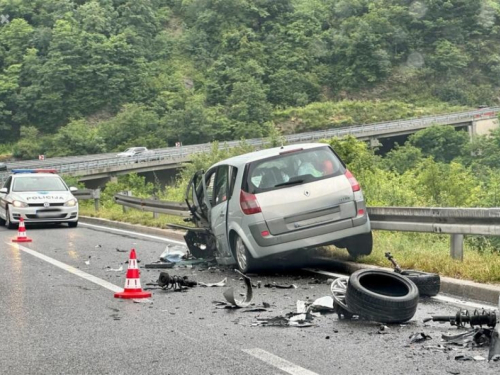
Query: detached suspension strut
[(463, 317)]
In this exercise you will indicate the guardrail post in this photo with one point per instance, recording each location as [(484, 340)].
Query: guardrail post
[(457, 246), (128, 194), (155, 214), (97, 194)]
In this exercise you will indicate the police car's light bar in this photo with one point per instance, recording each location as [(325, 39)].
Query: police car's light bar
[(33, 171)]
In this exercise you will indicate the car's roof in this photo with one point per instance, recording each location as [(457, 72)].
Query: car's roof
[(241, 160)]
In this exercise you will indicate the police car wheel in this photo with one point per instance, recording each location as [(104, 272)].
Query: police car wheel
[(9, 224), (72, 224), (2, 222)]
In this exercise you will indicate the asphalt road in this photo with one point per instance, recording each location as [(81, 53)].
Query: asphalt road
[(55, 321)]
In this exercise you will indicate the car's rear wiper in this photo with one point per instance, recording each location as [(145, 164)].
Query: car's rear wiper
[(291, 182)]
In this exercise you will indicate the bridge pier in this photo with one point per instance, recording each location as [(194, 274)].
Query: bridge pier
[(482, 127), (374, 142)]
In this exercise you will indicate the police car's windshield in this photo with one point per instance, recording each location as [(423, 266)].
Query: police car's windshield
[(38, 183)]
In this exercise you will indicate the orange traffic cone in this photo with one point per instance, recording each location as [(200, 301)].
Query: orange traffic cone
[(21, 234), (133, 282)]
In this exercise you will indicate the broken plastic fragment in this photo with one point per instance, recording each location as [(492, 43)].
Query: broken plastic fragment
[(494, 352), (278, 286), (419, 337), (229, 293), (323, 304), (174, 254), (220, 283), (301, 307), (119, 269)]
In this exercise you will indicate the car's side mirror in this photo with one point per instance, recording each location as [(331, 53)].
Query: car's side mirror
[(73, 189), (4, 191)]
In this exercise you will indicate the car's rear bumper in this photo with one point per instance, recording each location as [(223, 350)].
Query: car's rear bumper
[(262, 246), (38, 215)]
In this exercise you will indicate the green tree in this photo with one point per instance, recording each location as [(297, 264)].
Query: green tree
[(443, 143)]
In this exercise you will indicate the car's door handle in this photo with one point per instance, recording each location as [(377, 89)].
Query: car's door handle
[(222, 214)]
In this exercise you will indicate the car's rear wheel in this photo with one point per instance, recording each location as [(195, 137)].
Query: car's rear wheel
[(2, 222), (72, 224), (9, 223), (359, 245), (244, 259)]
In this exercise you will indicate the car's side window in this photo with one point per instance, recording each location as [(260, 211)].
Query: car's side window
[(221, 184), (8, 183)]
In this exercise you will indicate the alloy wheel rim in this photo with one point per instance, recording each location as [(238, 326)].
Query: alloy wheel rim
[(338, 289), (240, 254)]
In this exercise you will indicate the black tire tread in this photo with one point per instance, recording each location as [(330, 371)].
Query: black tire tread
[(428, 284), (383, 309)]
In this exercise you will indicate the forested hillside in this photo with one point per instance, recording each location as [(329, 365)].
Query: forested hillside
[(95, 76)]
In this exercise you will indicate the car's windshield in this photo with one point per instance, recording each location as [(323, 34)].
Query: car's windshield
[(293, 168), (38, 183)]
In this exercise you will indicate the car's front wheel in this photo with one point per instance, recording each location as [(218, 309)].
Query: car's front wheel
[(72, 224), (9, 223), (244, 259)]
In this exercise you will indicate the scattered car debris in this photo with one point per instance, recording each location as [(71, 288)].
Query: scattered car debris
[(177, 283), (97, 246), (381, 296), (229, 293), (463, 317), (383, 330), (278, 286), (174, 254), (494, 353), (323, 304), (301, 307), (219, 284), (87, 262), (119, 269), (428, 284), (121, 250), (160, 265), (419, 337), (300, 321)]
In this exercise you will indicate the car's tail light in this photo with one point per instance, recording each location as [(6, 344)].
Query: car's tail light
[(249, 204), (352, 180)]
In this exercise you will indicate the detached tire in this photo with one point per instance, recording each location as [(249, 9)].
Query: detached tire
[(381, 296), (428, 284)]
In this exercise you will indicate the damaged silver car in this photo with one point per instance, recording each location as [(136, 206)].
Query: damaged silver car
[(271, 202)]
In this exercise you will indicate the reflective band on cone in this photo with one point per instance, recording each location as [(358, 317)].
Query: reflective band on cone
[(21, 234), (133, 287)]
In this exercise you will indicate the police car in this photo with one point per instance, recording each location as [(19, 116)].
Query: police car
[(37, 196)]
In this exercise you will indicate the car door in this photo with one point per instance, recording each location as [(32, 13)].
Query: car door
[(216, 187), (3, 201), (195, 200)]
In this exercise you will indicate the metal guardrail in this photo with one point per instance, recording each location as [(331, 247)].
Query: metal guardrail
[(455, 221), (88, 163), (152, 205), (85, 194)]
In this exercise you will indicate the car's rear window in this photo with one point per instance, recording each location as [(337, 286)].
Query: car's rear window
[(292, 168), (38, 183)]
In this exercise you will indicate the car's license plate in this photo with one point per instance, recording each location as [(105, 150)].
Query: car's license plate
[(47, 213)]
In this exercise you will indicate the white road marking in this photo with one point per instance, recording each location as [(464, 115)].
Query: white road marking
[(278, 362), (128, 232), (69, 268), (455, 301)]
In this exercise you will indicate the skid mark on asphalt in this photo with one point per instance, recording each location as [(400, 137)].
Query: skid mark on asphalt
[(107, 229), (278, 362), (70, 269)]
